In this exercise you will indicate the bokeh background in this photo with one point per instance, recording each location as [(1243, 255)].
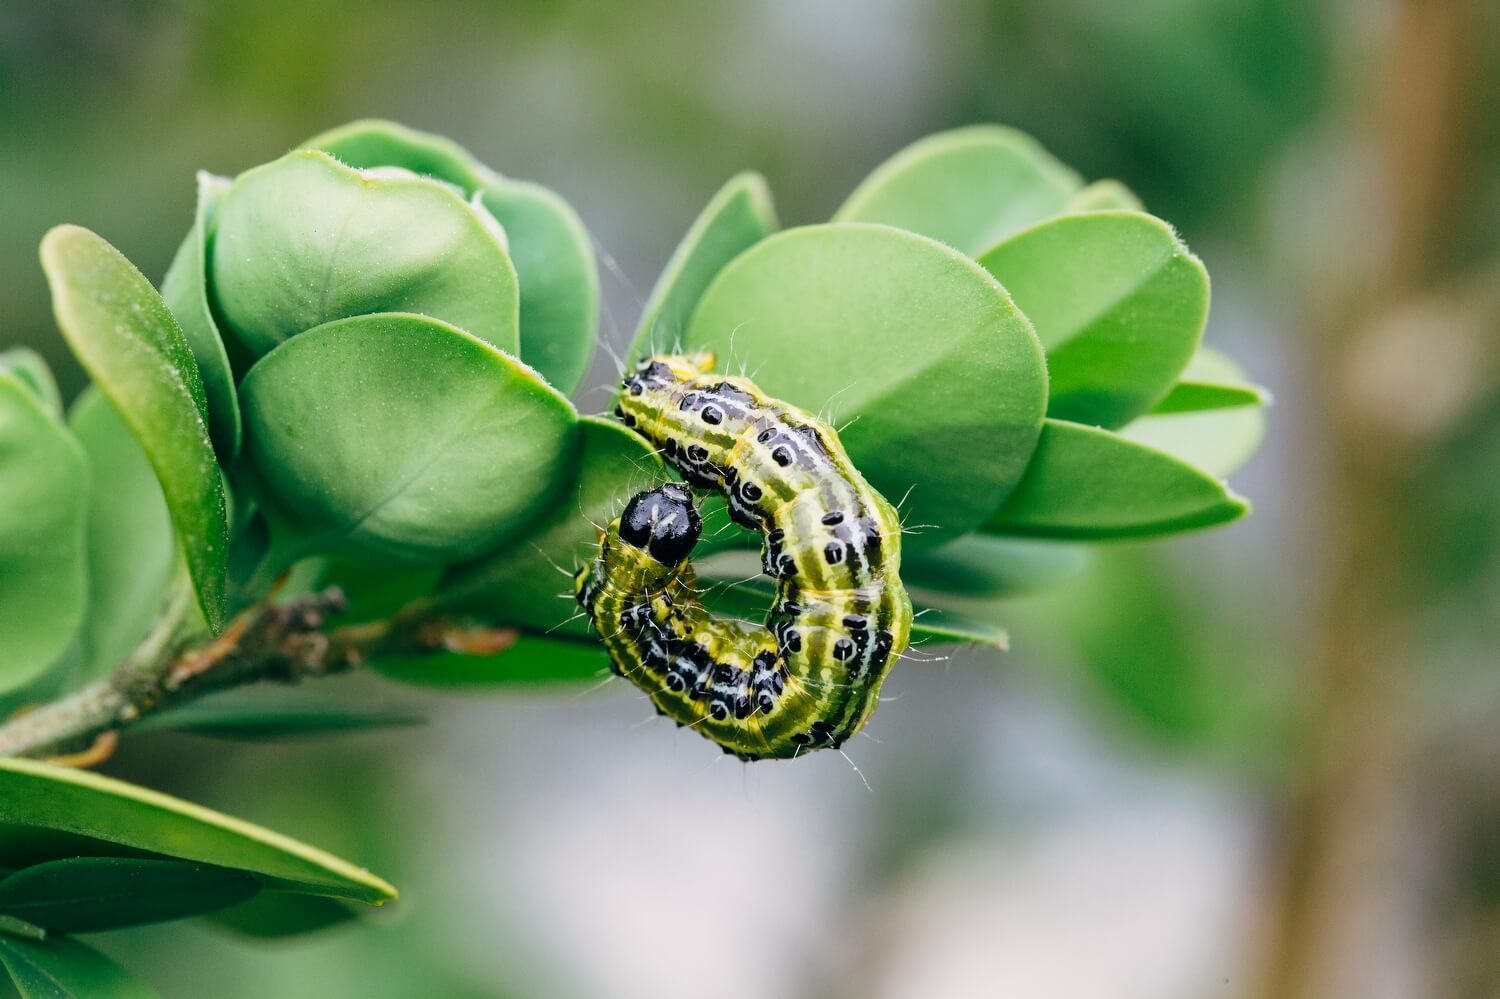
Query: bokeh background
[(1262, 762)]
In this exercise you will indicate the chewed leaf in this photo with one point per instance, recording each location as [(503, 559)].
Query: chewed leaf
[(126, 338), (43, 567), (403, 439), (969, 188), (739, 216), (559, 282), (1087, 483), (49, 813), (1118, 302), (305, 240), (933, 377)]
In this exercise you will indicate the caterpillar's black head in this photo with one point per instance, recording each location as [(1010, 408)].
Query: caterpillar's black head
[(663, 521)]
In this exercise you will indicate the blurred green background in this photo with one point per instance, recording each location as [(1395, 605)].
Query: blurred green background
[(1260, 762)]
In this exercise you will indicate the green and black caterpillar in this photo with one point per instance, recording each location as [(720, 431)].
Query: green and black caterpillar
[(808, 678)]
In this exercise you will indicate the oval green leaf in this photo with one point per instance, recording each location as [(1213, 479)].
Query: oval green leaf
[(373, 143), (271, 723), (521, 585), (916, 352), (126, 338), (94, 894), (186, 293), (131, 552), (1087, 483), (969, 188), (1105, 196), (1218, 441), (402, 438), (976, 565), (28, 367), (49, 812), (738, 216), (305, 240), (44, 487), (1211, 381), (534, 660), (559, 283), (59, 968), (1118, 302)]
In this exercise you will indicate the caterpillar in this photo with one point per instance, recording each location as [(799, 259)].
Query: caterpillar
[(810, 676)]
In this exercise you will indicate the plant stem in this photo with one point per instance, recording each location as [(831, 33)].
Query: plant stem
[(277, 642)]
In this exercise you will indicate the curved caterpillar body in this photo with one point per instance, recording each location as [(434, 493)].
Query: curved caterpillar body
[(809, 677)]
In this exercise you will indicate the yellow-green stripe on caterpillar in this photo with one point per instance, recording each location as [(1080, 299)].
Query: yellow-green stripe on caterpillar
[(808, 678)]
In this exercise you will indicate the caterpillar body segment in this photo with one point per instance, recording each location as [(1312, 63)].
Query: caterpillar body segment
[(810, 676)]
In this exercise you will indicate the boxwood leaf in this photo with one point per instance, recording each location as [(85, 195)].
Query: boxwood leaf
[(531, 661), (373, 142), (559, 283), (976, 565), (521, 584), (28, 367), (1087, 483), (1218, 441), (916, 352), (1104, 196), (43, 569), (402, 438), (266, 723), (969, 188), (49, 812), (305, 240), (1211, 381), (131, 552), (1118, 302), (93, 894), (277, 915), (185, 291), (59, 968), (737, 217), (125, 337)]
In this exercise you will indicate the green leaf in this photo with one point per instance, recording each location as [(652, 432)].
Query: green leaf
[(268, 723), (125, 337), (402, 438), (916, 352), (305, 240), (1218, 441), (28, 367), (993, 567), (43, 568), (738, 216), (185, 291), (49, 812), (60, 968), (533, 660), (131, 552), (1105, 196), (969, 188), (375, 143), (559, 282), (1211, 381), (1118, 302), (1086, 483), (277, 916), (521, 584), (10, 925), (93, 894)]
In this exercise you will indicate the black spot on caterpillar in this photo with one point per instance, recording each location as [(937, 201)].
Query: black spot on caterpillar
[(808, 678)]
